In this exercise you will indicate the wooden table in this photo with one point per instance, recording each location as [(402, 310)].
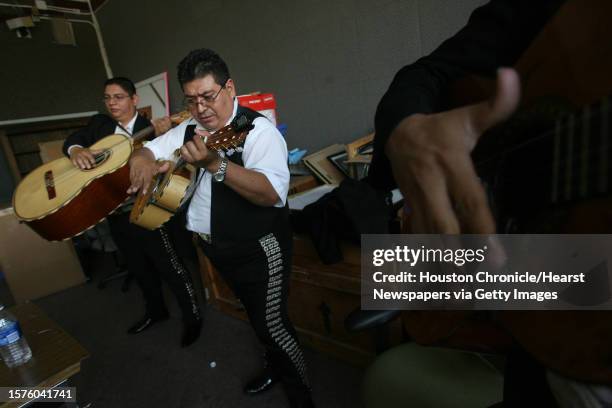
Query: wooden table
[(56, 356)]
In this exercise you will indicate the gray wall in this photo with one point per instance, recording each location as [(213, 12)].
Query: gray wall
[(40, 78), (327, 62)]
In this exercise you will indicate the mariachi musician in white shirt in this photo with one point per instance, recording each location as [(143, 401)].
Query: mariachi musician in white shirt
[(238, 211)]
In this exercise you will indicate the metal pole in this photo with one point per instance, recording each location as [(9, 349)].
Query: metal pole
[(96, 26)]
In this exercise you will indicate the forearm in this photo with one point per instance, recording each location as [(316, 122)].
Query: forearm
[(141, 154), (250, 184)]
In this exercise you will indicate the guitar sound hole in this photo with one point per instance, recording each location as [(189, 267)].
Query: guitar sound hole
[(100, 158)]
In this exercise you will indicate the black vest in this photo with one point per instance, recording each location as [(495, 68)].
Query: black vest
[(232, 217)]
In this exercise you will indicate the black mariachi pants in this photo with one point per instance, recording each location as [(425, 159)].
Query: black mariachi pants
[(258, 273), (151, 257)]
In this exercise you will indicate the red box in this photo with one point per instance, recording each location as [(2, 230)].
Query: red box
[(262, 103)]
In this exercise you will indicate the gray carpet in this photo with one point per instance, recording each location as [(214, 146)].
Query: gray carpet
[(151, 370)]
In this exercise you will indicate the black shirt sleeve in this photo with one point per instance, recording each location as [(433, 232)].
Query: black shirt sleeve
[(91, 133), (495, 35)]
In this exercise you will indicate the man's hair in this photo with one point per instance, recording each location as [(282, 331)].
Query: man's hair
[(200, 63), (126, 84)]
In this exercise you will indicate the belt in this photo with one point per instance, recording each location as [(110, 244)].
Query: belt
[(205, 237)]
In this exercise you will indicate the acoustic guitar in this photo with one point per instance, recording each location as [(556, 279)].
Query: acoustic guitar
[(168, 192), (547, 170), (58, 200)]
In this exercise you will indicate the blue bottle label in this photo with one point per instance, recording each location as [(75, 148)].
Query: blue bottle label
[(9, 333)]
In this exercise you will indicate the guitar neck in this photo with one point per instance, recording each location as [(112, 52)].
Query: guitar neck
[(146, 132), (142, 134), (569, 161), (224, 139)]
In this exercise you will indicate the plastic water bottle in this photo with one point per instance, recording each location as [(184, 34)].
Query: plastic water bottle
[(14, 348)]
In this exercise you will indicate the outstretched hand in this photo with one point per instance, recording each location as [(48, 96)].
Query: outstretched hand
[(430, 159)]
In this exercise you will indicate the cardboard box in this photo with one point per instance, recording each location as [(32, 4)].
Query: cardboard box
[(262, 103), (32, 266), (51, 150)]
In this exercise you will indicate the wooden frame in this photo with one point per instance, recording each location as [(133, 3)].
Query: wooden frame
[(14, 130), (10, 156)]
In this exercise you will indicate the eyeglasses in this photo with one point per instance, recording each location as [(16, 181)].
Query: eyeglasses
[(193, 101), (117, 97)]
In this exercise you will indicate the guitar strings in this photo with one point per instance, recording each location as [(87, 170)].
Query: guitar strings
[(575, 182), (603, 110), (586, 174)]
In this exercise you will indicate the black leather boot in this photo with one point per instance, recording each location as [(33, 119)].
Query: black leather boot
[(264, 381), (147, 321), (191, 331)]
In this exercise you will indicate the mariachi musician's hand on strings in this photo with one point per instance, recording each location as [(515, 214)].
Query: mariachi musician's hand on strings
[(430, 159), (143, 168), (196, 152), (83, 158)]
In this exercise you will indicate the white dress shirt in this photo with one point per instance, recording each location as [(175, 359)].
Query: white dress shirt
[(129, 127)]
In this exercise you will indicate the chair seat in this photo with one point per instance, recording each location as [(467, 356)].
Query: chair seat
[(416, 376)]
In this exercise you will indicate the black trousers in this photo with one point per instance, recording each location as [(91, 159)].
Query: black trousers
[(151, 257), (258, 273)]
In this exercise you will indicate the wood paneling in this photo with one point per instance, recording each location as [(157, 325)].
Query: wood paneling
[(20, 142)]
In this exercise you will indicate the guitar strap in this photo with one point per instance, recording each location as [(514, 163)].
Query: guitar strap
[(189, 134), (124, 129)]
